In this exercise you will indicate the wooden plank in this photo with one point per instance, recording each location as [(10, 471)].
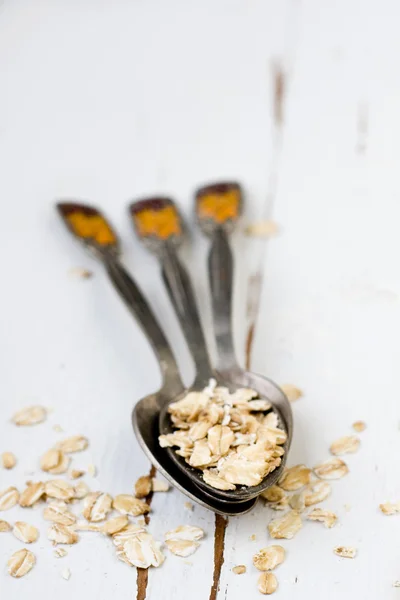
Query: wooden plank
[(135, 98)]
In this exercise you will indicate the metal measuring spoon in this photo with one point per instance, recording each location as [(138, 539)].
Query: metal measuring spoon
[(218, 207), (159, 225), (90, 227)]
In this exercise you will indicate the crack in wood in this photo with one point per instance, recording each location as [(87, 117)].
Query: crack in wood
[(249, 345), (142, 579), (279, 90), (219, 545), (142, 576), (279, 79)]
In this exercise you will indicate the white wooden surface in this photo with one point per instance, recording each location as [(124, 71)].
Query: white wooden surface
[(113, 100)]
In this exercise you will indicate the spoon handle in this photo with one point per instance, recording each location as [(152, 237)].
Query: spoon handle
[(220, 272), (139, 307), (180, 291)]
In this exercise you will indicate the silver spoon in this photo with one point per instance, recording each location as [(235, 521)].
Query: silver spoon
[(82, 220), (181, 293), (218, 207)]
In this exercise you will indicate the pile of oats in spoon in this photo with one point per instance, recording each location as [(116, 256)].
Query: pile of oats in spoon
[(233, 438)]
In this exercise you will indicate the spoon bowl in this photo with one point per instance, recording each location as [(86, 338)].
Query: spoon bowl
[(145, 416), (266, 389)]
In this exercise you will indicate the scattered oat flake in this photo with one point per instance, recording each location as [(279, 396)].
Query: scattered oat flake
[(295, 478), (75, 474), (158, 485), (81, 490), (281, 505), (54, 462), (66, 574), (298, 502), (292, 392), (268, 558), (345, 551), (264, 228), (76, 443), (59, 489), (390, 508), (185, 532), (273, 494), (267, 583), (115, 525), (359, 426), (333, 468), (4, 526), (25, 532), (8, 498), (253, 537), (92, 471), (143, 486), (61, 534), (396, 584), (60, 552), (80, 273), (183, 541), (316, 492), (31, 415), (327, 517), (128, 532), (182, 548), (122, 556), (188, 506), (32, 493), (8, 460), (85, 526), (347, 444), (285, 527), (142, 551), (96, 506), (59, 514), (21, 562), (129, 505), (58, 428), (50, 459), (239, 569)]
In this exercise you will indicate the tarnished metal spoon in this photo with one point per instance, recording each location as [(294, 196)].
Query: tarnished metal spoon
[(159, 224), (218, 208), (90, 227)]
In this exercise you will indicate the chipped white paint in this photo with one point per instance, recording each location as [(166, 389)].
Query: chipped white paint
[(114, 101)]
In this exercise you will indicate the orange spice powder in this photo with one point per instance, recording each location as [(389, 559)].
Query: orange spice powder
[(162, 223), (91, 227), (219, 207)]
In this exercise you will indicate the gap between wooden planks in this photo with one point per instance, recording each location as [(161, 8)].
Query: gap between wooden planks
[(142, 576)]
